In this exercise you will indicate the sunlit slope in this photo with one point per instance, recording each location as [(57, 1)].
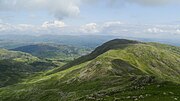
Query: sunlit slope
[(113, 44), (14, 66), (151, 60), (128, 71), (18, 56), (53, 51)]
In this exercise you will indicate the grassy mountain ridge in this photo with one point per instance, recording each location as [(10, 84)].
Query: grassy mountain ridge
[(116, 43), (119, 70)]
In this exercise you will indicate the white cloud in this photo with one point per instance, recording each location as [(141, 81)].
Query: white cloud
[(155, 30), (49, 24), (4, 27), (107, 28), (178, 31), (90, 28), (23, 27), (113, 23), (58, 8)]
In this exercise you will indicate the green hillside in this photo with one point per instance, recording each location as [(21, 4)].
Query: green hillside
[(119, 70), (14, 66), (18, 56), (52, 51), (113, 44)]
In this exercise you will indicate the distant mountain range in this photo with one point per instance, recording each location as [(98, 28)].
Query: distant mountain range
[(62, 52), (118, 70), (85, 41)]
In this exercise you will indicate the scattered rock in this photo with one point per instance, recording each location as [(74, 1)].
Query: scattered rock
[(164, 93), (175, 99), (142, 88), (141, 96), (171, 93), (135, 99), (92, 98), (158, 86), (128, 97), (116, 99)]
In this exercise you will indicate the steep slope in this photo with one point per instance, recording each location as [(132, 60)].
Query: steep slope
[(18, 56), (118, 70), (62, 52), (12, 72), (15, 66), (113, 44)]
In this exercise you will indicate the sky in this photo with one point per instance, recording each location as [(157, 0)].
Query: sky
[(131, 18)]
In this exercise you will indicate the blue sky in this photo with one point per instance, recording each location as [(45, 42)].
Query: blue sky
[(132, 13), (130, 18), (100, 12)]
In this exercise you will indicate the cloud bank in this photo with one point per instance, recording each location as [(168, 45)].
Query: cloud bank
[(114, 28), (55, 23)]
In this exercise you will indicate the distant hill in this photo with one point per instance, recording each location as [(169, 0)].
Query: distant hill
[(118, 70), (11, 41), (14, 66), (53, 51), (83, 41)]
